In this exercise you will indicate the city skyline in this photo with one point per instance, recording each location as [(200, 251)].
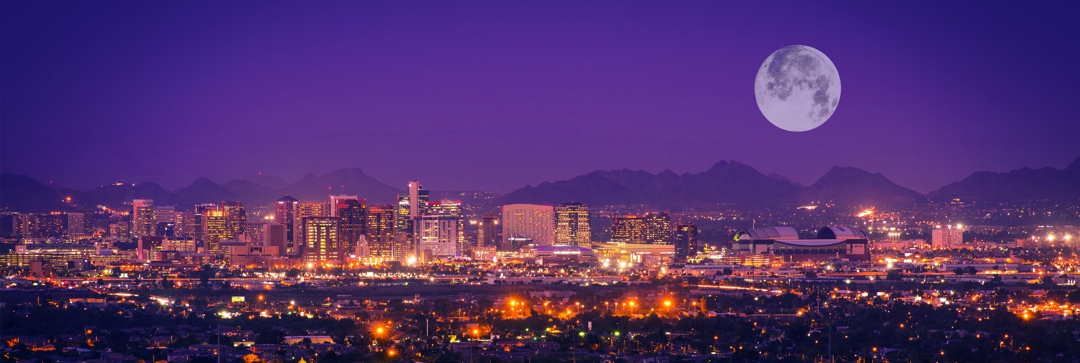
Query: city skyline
[(936, 94)]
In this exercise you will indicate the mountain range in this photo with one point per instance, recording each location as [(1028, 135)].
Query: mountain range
[(23, 194), (735, 184), (726, 183)]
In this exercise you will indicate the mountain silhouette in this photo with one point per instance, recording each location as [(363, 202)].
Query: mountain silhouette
[(1014, 186), (854, 187), (21, 193)]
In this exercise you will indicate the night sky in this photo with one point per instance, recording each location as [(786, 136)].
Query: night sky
[(496, 95)]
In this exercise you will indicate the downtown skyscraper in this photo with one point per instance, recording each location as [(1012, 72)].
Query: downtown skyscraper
[(143, 219), (572, 225), (379, 231), (322, 244), (352, 213), (524, 224), (285, 214), (652, 228), (686, 241)]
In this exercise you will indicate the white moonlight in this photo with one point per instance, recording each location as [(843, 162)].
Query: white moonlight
[(797, 88)]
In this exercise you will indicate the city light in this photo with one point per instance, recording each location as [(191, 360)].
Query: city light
[(131, 225)]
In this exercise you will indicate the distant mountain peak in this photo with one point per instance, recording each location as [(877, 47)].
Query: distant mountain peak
[(1022, 184), (727, 183), (203, 181), (850, 186), (1074, 167)]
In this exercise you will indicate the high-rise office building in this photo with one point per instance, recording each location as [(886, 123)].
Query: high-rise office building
[(200, 211), (379, 231), (524, 224), (143, 220), (686, 241), (437, 236), (488, 231), (352, 214), (572, 225), (410, 205), (215, 227), (285, 214), (185, 224), (76, 224), (164, 214), (147, 246), (321, 240), (418, 199), (450, 210), (652, 228), (254, 233), (337, 200), (235, 218), (947, 237), (308, 210), (51, 225)]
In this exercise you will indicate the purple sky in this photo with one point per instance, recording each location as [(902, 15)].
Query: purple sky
[(496, 95)]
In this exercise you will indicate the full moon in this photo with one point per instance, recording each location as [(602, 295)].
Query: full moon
[(797, 88)]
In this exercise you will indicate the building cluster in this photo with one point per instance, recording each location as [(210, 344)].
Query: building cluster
[(342, 231)]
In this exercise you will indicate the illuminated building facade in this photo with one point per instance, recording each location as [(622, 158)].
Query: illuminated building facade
[(437, 236), (321, 240), (185, 224), (215, 227), (337, 201), (352, 214), (308, 210), (947, 237), (572, 225), (488, 231), (450, 209), (527, 224), (379, 231), (652, 228), (143, 220), (200, 211), (686, 241), (76, 224), (410, 205), (784, 244), (285, 214), (165, 214), (235, 218)]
